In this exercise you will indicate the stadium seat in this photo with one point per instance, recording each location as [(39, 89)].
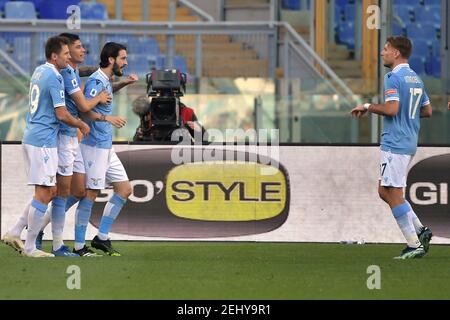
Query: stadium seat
[(416, 31), (56, 9), (436, 3), (93, 11), (3, 44), (429, 13), (2, 5), (398, 30), (347, 34), (291, 4), (37, 4), (407, 2), (23, 10), (436, 67), (405, 13), (421, 47), (417, 64), (350, 12)]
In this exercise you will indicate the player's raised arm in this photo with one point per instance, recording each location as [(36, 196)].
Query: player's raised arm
[(132, 78)]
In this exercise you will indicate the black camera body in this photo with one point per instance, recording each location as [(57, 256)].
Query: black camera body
[(162, 115)]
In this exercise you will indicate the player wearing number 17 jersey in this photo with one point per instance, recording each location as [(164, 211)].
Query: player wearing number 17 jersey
[(405, 103)]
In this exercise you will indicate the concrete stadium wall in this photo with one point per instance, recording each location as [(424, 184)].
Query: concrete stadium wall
[(318, 194)]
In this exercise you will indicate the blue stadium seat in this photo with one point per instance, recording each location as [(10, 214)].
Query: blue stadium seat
[(93, 11), (421, 47), (2, 5), (436, 48), (432, 3), (398, 30), (404, 12), (291, 4), (56, 9), (144, 45), (417, 64), (346, 34), (350, 12), (180, 63), (429, 13), (3, 44), (436, 67), (417, 31), (37, 4), (407, 2), (22, 10)]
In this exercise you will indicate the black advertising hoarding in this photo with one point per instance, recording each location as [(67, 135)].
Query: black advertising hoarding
[(204, 199), (428, 193)]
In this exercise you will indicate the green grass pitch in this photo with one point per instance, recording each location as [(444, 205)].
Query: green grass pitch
[(219, 270)]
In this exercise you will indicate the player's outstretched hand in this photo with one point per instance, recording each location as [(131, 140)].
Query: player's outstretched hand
[(116, 121), (105, 98), (84, 128), (132, 78), (359, 111)]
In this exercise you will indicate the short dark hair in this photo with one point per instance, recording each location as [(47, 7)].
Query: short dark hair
[(402, 44), (110, 50), (70, 36), (54, 45)]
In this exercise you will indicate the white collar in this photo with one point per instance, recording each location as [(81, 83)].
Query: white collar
[(52, 66), (102, 74), (400, 66)]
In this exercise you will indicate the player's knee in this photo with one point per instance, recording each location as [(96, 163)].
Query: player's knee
[(383, 194), (79, 193), (63, 192), (126, 190)]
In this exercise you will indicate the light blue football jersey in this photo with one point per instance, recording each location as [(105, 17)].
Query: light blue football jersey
[(46, 94), (71, 79), (100, 135), (401, 132)]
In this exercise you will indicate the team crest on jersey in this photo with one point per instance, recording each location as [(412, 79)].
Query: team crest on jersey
[(63, 169), (90, 163), (97, 82), (46, 159), (95, 181), (51, 178)]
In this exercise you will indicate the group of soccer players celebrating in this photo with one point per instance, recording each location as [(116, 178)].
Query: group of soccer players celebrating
[(63, 171)]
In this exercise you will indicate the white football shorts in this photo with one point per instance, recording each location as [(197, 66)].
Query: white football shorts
[(67, 153), (394, 169), (102, 166), (41, 165)]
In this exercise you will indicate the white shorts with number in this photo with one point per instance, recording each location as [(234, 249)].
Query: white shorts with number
[(394, 169), (41, 165), (103, 167), (68, 152)]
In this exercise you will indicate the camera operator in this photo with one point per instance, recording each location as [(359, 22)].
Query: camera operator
[(164, 113), (141, 106)]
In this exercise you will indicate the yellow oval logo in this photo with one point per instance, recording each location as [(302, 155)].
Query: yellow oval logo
[(226, 191)]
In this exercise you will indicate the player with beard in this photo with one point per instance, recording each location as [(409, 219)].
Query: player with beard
[(102, 165)]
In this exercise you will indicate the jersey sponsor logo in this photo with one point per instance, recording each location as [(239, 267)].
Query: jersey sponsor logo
[(168, 200), (391, 92), (428, 193)]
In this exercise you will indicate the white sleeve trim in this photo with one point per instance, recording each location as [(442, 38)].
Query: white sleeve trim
[(59, 105), (74, 90), (392, 99), (426, 103)]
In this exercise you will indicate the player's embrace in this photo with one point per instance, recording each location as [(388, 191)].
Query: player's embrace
[(47, 108), (405, 103)]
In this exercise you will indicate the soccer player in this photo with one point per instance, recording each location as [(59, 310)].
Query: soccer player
[(101, 162), (70, 162), (47, 109), (405, 103)]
